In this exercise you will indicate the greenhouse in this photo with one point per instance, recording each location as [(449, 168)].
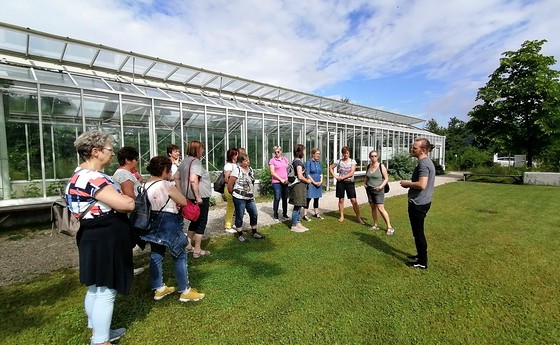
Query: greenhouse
[(54, 88)]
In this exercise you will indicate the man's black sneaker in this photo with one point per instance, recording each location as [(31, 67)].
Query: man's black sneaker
[(415, 264), (412, 257)]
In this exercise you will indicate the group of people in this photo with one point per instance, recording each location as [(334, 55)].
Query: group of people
[(105, 239), (308, 180), (308, 183)]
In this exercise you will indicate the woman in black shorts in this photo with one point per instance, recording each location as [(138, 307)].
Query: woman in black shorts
[(346, 167)]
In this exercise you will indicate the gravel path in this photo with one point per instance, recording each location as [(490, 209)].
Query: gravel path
[(40, 252)]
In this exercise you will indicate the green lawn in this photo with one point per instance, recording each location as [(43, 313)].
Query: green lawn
[(493, 278)]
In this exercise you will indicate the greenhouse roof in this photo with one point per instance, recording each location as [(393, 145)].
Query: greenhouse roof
[(149, 72)]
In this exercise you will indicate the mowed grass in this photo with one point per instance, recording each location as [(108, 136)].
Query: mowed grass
[(493, 278)]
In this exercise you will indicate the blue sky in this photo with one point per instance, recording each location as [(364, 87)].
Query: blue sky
[(425, 59)]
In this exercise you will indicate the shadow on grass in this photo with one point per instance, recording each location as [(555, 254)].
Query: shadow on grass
[(27, 306), (382, 246), (243, 255)]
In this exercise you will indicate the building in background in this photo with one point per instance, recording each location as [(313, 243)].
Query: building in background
[(54, 88)]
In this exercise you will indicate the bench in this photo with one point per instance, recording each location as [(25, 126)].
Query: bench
[(25, 210), (516, 178)]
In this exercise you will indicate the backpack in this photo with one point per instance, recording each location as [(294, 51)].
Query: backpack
[(291, 173), (62, 219), (220, 183), (141, 216)]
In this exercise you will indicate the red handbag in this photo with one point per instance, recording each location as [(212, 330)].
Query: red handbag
[(191, 211)]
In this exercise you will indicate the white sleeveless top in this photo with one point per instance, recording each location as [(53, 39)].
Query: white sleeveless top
[(158, 195)]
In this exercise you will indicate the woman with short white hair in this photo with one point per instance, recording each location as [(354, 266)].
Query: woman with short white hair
[(104, 238)]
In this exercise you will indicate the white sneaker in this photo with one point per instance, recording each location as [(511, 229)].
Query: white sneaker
[(296, 228), (302, 227), (230, 231), (390, 231)]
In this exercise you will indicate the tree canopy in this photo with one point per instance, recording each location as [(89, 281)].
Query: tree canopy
[(434, 127), (520, 109)]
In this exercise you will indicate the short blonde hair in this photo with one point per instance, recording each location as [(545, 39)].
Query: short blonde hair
[(277, 148)]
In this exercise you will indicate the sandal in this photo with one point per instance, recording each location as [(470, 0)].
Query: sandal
[(200, 254)]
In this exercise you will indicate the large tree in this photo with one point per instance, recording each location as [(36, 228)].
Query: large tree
[(520, 109), (434, 127), (458, 137)]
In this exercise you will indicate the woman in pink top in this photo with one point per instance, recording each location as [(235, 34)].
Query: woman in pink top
[(279, 171)]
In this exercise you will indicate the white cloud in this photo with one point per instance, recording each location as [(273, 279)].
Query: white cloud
[(310, 45)]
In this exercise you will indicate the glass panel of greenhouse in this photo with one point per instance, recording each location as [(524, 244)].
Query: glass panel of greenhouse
[(55, 88)]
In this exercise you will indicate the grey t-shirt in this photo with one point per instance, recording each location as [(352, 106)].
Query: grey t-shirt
[(123, 175), (425, 167), (204, 185)]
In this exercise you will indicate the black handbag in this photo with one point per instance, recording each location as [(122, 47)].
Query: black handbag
[(386, 188)]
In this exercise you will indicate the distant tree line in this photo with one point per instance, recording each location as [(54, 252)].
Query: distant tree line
[(518, 113)]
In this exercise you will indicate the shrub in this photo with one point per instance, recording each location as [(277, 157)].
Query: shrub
[(473, 157), (401, 166), (212, 201), (266, 181), (32, 190), (439, 168), (55, 188)]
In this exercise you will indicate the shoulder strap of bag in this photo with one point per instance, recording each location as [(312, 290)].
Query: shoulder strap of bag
[(161, 209), (153, 183), (189, 179), (83, 214), (146, 191)]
